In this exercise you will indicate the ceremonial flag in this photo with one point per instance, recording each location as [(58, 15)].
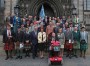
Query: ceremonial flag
[(42, 13)]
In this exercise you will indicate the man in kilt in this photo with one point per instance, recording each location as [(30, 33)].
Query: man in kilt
[(19, 43), (8, 40), (27, 41), (83, 42), (76, 38), (68, 41)]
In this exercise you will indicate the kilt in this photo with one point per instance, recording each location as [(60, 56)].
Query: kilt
[(68, 45), (8, 46), (83, 46), (17, 45), (27, 46), (76, 45)]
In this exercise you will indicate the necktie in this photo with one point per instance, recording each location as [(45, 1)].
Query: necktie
[(42, 36)]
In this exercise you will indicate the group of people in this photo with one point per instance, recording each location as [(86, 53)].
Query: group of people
[(32, 34)]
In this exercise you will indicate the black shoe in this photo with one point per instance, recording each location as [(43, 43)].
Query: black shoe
[(70, 57), (76, 56), (28, 55), (11, 57), (36, 55), (17, 57), (25, 55), (67, 55), (33, 57), (20, 57), (6, 58), (80, 55)]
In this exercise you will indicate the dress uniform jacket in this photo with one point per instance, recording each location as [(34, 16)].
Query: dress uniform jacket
[(16, 23)]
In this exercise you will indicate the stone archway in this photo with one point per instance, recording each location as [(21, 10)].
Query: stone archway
[(54, 7), (37, 4), (47, 8)]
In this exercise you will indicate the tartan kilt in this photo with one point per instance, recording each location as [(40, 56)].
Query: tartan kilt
[(68, 45), (17, 45), (8, 46), (83, 46), (76, 45), (27, 46)]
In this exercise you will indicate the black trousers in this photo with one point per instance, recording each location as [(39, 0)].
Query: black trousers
[(34, 50)]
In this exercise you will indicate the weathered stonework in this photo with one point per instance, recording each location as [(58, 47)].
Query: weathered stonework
[(9, 6), (35, 5)]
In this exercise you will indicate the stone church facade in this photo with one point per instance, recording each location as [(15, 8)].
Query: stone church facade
[(52, 8)]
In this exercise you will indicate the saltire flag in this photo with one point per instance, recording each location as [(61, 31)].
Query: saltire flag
[(42, 13)]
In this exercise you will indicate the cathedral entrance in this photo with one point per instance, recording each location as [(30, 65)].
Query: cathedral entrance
[(51, 7), (47, 9)]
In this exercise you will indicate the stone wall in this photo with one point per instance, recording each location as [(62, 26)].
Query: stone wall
[(9, 7), (79, 5)]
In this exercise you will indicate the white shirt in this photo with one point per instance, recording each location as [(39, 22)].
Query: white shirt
[(8, 32)]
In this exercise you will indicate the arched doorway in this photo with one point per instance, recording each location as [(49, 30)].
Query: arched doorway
[(47, 9), (52, 7)]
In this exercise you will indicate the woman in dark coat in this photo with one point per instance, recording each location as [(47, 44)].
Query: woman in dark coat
[(8, 40)]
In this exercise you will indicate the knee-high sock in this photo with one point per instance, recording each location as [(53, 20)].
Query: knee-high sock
[(6, 51), (10, 53)]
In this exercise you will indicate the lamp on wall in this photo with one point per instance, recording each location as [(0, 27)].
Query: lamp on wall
[(74, 10)]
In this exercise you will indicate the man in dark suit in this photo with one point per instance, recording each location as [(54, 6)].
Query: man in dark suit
[(34, 42)]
